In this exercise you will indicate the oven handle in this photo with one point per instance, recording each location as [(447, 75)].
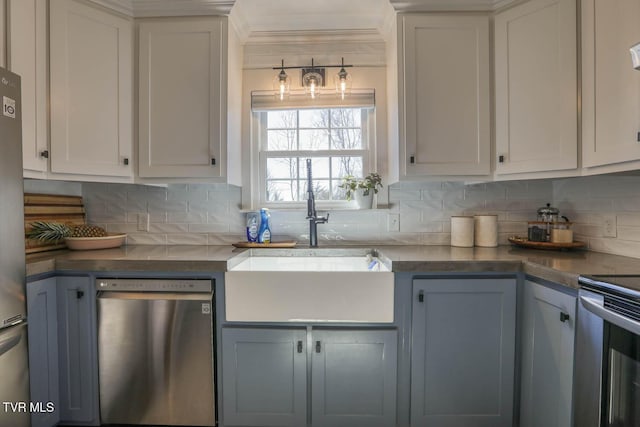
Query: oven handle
[(595, 307)]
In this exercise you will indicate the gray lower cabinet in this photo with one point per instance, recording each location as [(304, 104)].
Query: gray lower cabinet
[(353, 381), (264, 379), (351, 375), (62, 350), (548, 334), (43, 351), (462, 354), (77, 351)]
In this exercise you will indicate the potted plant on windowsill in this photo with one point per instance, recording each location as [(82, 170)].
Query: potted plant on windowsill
[(362, 189)]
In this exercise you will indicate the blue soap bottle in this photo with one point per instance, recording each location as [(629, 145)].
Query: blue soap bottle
[(264, 234)]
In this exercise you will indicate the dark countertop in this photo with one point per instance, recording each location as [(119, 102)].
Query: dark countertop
[(555, 266)]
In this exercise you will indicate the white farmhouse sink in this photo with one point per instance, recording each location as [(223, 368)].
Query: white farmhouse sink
[(306, 287)]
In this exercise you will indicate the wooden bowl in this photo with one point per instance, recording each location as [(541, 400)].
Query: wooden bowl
[(90, 243)]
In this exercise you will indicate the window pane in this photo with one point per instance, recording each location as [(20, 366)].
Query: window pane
[(314, 118), (348, 165), (282, 191), (281, 140), (346, 139), (282, 168), (314, 139), (319, 166), (321, 189), (337, 192), (283, 119), (346, 118)]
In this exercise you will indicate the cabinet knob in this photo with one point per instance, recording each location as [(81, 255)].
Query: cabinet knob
[(501, 159), (412, 159), (421, 296), (318, 347), (213, 161), (564, 317), (126, 161), (299, 346), (44, 154), (79, 294)]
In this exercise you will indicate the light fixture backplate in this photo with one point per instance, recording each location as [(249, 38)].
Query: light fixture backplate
[(308, 73)]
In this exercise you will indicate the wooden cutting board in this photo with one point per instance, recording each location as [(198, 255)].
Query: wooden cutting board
[(51, 208), (283, 244)]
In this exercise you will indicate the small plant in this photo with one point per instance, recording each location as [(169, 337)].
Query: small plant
[(373, 181)]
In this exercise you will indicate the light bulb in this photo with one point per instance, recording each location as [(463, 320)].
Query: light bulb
[(312, 88)]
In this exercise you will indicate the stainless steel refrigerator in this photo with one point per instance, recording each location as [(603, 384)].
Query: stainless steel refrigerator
[(14, 373)]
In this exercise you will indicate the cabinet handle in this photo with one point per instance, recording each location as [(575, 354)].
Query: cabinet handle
[(318, 347), (412, 159), (638, 137), (501, 159), (44, 154), (126, 161), (79, 294), (564, 317), (299, 346), (213, 161), (421, 296)]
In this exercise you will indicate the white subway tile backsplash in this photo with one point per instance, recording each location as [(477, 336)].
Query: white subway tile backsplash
[(187, 239), (195, 214)]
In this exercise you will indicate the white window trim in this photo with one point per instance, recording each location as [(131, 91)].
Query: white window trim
[(258, 162)]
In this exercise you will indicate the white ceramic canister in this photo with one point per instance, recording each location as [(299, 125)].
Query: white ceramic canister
[(486, 230), (462, 231)]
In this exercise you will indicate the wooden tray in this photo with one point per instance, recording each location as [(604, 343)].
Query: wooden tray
[(52, 208), (283, 244), (526, 243)]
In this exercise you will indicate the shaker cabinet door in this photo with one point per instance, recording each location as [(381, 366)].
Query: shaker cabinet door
[(91, 74), (610, 85), (444, 95), (462, 352), (548, 334), (536, 87), (27, 56), (264, 377), (354, 378), (78, 358), (182, 86)]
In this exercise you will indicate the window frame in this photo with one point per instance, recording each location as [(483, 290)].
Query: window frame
[(259, 131)]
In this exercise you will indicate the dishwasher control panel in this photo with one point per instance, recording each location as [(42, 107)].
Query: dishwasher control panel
[(154, 285)]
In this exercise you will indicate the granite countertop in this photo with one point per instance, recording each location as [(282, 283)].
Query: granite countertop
[(555, 266)]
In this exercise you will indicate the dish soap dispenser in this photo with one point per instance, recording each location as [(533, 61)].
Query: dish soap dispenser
[(264, 234)]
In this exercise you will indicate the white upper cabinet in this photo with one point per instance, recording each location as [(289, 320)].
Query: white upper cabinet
[(27, 56), (444, 108), (610, 85), (182, 98), (91, 78), (536, 87)]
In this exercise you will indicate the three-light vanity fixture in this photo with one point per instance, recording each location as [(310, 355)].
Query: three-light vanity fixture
[(313, 80)]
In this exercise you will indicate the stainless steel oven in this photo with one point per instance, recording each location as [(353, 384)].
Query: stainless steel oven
[(608, 352)]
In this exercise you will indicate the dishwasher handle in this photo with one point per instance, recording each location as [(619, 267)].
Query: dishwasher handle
[(596, 307), (149, 296)]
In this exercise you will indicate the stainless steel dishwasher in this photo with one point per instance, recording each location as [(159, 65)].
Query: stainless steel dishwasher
[(155, 352)]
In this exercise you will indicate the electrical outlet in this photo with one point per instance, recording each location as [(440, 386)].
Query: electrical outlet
[(143, 221), (609, 227), (393, 222)]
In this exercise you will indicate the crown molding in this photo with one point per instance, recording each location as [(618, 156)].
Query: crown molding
[(158, 8), (448, 5)]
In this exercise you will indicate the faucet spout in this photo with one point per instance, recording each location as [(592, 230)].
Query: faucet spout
[(312, 215)]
